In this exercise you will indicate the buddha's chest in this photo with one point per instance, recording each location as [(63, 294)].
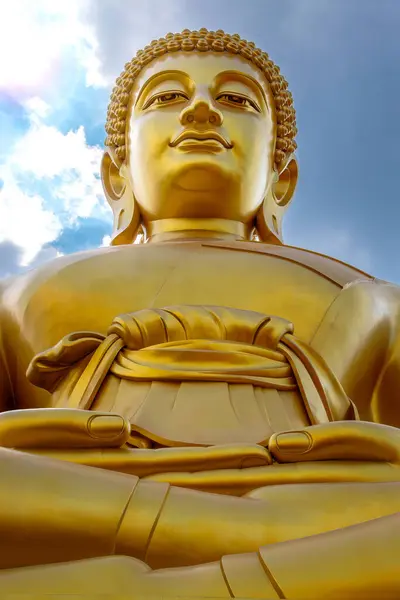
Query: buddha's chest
[(84, 293), (88, 294)]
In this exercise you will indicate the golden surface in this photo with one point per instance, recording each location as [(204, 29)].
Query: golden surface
[(204, 414)]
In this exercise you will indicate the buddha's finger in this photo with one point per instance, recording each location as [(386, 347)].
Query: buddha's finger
[(143, 462), (62, 428), (342, 440), (237, 482)]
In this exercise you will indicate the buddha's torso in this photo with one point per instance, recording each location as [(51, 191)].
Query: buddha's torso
[(87, 291)]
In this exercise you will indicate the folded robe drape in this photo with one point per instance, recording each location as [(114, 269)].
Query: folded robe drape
[(195, 375)]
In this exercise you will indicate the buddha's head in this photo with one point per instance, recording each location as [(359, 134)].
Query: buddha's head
[(201, 132)]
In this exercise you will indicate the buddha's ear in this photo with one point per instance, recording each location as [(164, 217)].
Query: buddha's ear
[(118, 191), (276, 202)]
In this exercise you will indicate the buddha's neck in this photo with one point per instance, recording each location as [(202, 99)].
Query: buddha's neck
[(166, 230)]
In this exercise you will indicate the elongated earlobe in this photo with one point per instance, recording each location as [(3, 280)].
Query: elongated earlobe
[(276, 202), (121, 199)]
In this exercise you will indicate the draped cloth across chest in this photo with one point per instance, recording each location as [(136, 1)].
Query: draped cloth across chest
[(195, 375)]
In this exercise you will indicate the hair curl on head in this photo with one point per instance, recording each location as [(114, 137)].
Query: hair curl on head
[(203, 41)]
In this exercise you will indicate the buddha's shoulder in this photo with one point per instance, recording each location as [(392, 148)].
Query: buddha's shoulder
[(338, 271), (78, 265), (87, 270), (355, 283)]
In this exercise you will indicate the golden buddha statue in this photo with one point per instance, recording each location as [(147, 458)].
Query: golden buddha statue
[(209, 413)]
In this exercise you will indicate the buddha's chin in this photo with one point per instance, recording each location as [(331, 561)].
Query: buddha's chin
[(202, 178)]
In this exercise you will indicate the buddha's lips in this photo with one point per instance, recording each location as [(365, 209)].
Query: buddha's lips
[(201, 136)]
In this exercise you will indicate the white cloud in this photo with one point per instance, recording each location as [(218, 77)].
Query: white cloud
[(36, 35), (37, 108), (98, 35), (68, 169), (25, 222), (46, 152)]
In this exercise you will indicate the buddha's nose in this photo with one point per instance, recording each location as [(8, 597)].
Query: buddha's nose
[(201, 112)]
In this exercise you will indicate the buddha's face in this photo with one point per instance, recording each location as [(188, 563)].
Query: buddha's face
[(201, 138)]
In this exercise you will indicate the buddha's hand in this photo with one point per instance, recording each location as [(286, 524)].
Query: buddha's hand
[(62, 428), (99, 440), (341, 440), (343, 451)]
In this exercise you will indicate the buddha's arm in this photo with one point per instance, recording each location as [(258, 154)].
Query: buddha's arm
[(385, 405), (359, 338)]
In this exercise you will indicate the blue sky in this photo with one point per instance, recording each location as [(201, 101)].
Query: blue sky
[(341, 58)]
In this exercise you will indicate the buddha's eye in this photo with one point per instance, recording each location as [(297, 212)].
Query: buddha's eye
[(165, 98), (238, 100)]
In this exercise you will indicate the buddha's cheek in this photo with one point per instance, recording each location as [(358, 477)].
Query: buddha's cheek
[(254, 181), (149, 165), (148, 144), (253, 154)]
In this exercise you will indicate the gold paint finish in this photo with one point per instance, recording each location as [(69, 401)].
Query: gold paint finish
[(208, 413)]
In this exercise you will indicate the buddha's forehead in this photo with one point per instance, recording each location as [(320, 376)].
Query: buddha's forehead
[(201, 69)]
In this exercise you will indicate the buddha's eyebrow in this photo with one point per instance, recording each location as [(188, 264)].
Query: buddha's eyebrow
[(160, 76)]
